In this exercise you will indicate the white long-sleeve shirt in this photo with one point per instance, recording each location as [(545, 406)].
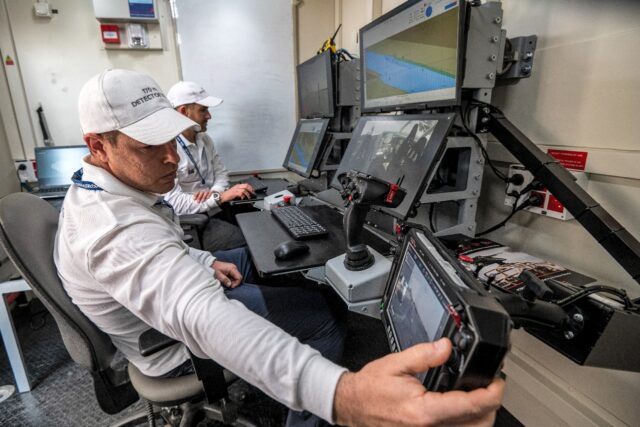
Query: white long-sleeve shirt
[(189, 181), (125, 266)]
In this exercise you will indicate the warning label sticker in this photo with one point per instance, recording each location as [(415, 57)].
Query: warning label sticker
[(574, 160)]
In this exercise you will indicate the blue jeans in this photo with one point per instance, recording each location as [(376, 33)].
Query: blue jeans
[(303, 313)]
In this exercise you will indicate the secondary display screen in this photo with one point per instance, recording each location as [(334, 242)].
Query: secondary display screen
[(410, 56), (397, 149), (315, 87), (415, 309), (305, 146), (56, 165)]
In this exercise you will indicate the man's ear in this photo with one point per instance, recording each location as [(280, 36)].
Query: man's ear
[(182, 109), (96, 144)]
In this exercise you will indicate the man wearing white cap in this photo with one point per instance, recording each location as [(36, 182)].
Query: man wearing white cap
[(203, 181), (124, 264)]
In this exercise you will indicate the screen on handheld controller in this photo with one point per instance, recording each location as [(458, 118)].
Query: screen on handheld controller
[(417, 308)]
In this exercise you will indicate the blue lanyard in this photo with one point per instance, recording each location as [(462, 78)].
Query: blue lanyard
[(87, 185), (188, 153), (163, 203)]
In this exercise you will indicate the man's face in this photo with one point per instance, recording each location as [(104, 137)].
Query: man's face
[(199, 114), (149, 168)]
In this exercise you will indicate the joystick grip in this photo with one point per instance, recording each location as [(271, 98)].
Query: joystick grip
[(358, 256)]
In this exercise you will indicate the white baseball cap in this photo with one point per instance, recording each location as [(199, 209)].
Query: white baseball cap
[(183, 93), (131, 103)]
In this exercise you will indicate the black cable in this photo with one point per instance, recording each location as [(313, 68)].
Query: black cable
[(511, 61), (514, 209), (24, 185), (629, 305), (432, 207), (533, 199), (483, 150)]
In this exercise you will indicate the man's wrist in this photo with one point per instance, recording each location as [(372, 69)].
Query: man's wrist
[(344, 395)]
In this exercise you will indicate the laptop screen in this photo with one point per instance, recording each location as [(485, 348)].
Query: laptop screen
[(57, 164)]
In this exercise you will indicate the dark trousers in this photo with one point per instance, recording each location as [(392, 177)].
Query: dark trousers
[(304, 313), (220, 235)]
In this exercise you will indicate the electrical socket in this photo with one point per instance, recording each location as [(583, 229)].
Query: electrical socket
[(527, 178), (550, 206), (26, 171)]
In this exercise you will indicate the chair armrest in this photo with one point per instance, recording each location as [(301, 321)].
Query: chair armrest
[(196, 220), (214, 378), (152, 341)]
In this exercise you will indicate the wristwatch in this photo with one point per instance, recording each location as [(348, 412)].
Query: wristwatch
[(216, 197)]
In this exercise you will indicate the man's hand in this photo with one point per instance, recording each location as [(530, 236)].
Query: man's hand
[(227, 273), (386, 392), (202, 196), (238, 191)]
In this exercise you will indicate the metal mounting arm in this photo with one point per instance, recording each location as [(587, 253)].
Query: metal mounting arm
[(612, 236)]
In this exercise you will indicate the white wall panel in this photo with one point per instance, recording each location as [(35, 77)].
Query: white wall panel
[(242, 51)]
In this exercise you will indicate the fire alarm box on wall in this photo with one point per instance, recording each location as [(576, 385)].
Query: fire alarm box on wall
[(129, 24), (110, 33)]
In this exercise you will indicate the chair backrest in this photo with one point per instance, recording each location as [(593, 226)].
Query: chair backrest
[(28, 227)]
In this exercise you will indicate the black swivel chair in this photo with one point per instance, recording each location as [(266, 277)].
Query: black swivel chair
[(194, 224), (27, 233)]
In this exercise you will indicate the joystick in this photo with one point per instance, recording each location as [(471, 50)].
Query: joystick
[(361, 192)]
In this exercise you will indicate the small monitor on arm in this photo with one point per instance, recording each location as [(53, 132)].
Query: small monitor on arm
[(306, 145)]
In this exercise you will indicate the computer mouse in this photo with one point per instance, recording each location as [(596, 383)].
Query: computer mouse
[(290, 249)]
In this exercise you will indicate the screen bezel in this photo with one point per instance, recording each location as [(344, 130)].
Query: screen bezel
[(423, 105), (435, 148), (326, 59), (39, 150), (316, 150)]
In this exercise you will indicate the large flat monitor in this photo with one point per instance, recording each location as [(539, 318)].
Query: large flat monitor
[(306, 146), (315, 87), (56, 165), (400, 150), (412, 57)]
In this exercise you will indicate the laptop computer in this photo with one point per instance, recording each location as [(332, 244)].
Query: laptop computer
[(56, 165)]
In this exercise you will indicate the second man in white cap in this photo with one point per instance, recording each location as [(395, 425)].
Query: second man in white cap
[(203, 181)]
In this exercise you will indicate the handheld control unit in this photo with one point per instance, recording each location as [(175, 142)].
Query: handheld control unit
[(430, 296)]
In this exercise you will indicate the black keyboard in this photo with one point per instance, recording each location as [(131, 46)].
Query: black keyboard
[(52, 190), (300, 225), (257, 184)]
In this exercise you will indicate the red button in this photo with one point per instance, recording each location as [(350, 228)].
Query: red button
[(465, 258)]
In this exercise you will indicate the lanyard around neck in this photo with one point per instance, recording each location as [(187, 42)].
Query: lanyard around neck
[(87, 185), (188, 153)]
